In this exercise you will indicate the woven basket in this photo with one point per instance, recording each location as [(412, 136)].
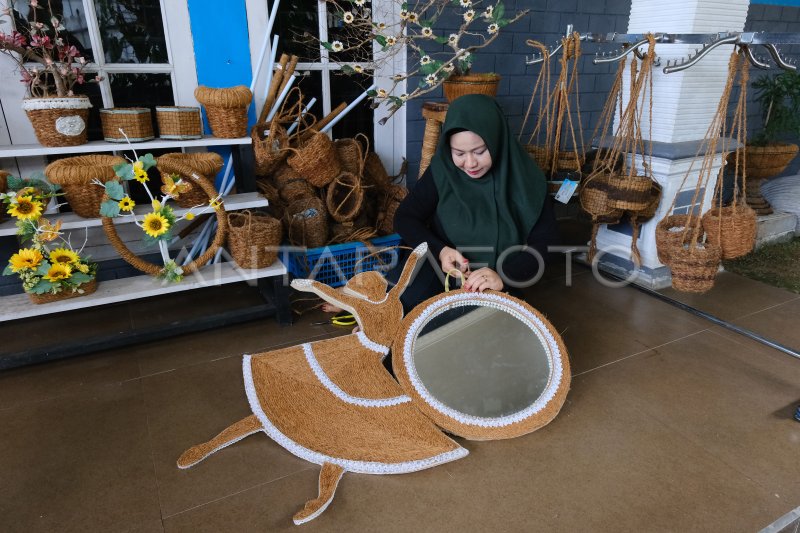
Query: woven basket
[(291, 185), (226, 109), (768, 161), (565, 161), (344, 197), (307, 223), (351, 156), (455, 86), (670, 235), (75, 176), (375, 173), (253, 238), (732, 229), (58, 121), (276, 205), (206, 164), (593, 196), (385, 220), (136, 122), (88, 288), (694, 268), (629, 193), (179, 122), (270, 142), (316, 160)]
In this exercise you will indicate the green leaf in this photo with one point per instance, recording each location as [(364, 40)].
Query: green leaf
[(109, 208), (8, 272), (79, 278), (372, 93), (404, 6), (441, 40), (43, 268), (14, 183), (114, 190), (42, 287), (499, 11), (124, 171), (503, 22), (148, 160), (347, 69), (381, 40), (328, 46)]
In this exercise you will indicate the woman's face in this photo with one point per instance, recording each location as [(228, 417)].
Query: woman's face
[(470, 153)]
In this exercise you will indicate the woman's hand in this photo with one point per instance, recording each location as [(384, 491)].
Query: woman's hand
[(483, 279), (451, 259)]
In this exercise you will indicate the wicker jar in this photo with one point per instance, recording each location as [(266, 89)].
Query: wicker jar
[(179, 122), (226, 109), (307, 223), (316, 160), (205, 164), (253, 238), (75, 176), (135, 122), (58, 121), (455, 86)]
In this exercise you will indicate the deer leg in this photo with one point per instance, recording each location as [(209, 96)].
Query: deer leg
[(329, 478), (233, 433)]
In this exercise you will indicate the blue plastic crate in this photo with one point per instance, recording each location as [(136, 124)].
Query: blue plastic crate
[(334, 265)]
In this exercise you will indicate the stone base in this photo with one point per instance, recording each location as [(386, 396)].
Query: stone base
[(651, 278), (777, 227)]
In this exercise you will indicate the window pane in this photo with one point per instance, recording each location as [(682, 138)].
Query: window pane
[(132, 31), (298, 25), (72, 17), (359, 120)]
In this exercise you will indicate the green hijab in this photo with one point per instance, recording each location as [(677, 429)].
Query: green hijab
[(499, 209)]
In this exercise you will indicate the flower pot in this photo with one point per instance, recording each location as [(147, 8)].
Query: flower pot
[(58, 121), (48, 297), (77, 175), (765, 162), (455, 86)]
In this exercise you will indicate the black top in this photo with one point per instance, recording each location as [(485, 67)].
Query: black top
[(416, 221)]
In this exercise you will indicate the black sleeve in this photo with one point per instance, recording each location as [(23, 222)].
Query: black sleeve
[(523, 266), (414, 215)]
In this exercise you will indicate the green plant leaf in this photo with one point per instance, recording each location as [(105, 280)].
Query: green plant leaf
[(15, 183), (8, 272), (124, 171), (441, 40), (114, 190), (372, 93), (499, 11), (328, 46), (109, 208), (42, 287), (380, 39), (43, 268), (148, 161), (79, 278), (347, 69)]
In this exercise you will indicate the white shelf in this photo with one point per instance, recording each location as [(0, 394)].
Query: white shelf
[(119, 290), (233, 202), (29, 150)]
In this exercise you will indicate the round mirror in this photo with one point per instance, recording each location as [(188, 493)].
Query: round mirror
[(482, 365)]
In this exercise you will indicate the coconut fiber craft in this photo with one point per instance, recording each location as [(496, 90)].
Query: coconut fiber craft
[(253, 238), (77, 177), (332, 402), (226, 109)]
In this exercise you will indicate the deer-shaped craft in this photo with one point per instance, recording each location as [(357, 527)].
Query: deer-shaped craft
[(332, 402)]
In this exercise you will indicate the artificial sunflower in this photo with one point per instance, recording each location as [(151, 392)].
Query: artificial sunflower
[(189, 216), (64, 256), (25, 208), (139, 173), (25, 259), (58, 272), (126, 204), (155, 224), (83, 268)]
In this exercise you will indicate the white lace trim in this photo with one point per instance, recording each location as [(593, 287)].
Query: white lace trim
[(342, 395), (37, 104), (503, 304), (218, 448), (371, 345), (70, 126), (361, 467)]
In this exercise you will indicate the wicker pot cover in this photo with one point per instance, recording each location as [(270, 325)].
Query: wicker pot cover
[(206, 164), (694, 267), (88, 288), (307, 222), (732, 229), (75, 176), (253, 238), (226, 109), (316, 160), (768, 161), (58, 121), (455, 86)]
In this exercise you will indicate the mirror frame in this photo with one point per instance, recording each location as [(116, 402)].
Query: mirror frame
[(536, 415)]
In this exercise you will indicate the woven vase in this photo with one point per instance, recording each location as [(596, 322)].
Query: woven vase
[(455, 86), (58, 121), (694, 267), (316, 160), (206, 164), (307, 223), (733, 229), (88, 288), (253, 238), (226, 109), (75, 176)]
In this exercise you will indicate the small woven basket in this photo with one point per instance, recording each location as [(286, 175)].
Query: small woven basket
[(226, 109), (179, 122), (253, 238), (375, 173), (88, 288), (307, 222), (75, 176), (344, 197), (670, 235), (629, 193), (136, 122), (655, 200), (694, 267), (59, 121), (206, 164), (733, 229), (270, 142), (593, 196), (276, 205), (351, 155), (291, 185), (455, 86), (565, 161), (764, 162), (316, 160), (393, 196)]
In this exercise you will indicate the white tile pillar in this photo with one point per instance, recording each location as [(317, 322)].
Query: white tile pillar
[(684, 104)]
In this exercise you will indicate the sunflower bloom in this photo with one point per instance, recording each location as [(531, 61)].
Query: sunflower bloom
[(139, 173), (25, 259), (126, 204), (155, 224), (58, 272), (64, 256), (25, 208)]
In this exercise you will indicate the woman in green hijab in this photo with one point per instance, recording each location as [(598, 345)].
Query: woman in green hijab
[(482, 206)]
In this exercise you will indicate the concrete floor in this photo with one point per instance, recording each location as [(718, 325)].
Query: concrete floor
[(671, 424)]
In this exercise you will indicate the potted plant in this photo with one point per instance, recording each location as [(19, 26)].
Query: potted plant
[(50, 66), (442, 37), (768, 153)]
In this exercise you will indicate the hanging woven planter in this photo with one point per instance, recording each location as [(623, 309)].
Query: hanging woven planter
[(226, 109), (253, 238), (291, 185), (206, 164), (671, 235), (307, 223), (731, 228), (344, 197), (75, 176), (629, 193), (694, 267), (316, 160), (593, 197)]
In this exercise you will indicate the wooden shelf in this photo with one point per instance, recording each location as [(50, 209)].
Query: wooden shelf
[(119, 290), (233, 202), (30, 150)]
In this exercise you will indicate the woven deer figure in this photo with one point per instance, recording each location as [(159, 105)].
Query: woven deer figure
[(333, 403)]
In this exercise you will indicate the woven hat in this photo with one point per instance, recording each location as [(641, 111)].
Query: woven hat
[(370, 285)]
